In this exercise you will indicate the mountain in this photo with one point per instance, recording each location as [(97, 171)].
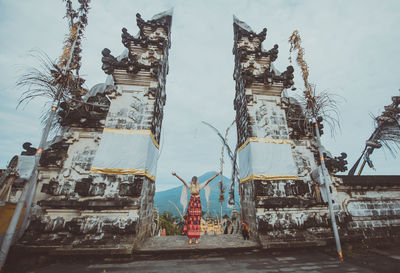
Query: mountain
[(162, 198)]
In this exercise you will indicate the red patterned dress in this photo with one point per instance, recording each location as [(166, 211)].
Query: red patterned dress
[(193, 218)]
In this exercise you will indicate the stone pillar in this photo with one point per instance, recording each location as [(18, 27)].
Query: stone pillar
[(130, 142), (261, 124), (278, 155), (277, 151), (97, 179)]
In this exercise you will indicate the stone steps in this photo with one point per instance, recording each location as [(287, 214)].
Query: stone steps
[(180, 242)]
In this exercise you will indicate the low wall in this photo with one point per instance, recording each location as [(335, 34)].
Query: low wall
[(290, 213)]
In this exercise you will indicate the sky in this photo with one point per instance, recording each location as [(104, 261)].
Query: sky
[(351, 47)]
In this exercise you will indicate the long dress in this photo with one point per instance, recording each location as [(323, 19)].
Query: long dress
[(193, 218), (193, 213)]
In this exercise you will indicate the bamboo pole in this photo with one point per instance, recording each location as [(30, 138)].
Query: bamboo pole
[(362, 166), (323, 177), (295, 42), (8, 238), (31, 185)]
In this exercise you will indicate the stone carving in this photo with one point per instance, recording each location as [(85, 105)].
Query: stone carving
[(84, 115), (160, 29), (126, 37), (162, 20), (108, 60), (150, 58), (110, 63), (249, 53), (273, 53), (82, 160), (286, 77), (29, 150), (54, 155), (269, 124), (337, 163)]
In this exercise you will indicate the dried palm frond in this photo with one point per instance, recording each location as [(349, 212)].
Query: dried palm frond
[(53, 80), (387, 127), (68, 43), (386, 134), (325, 105), (389, 137), (39, 80), (322, 104), (70, 57), (40, 83), (295, 44)]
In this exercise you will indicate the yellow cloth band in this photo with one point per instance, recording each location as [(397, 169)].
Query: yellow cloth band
[(123, 171), (6, 213), (265, 140), (131, 132), (268, 177)]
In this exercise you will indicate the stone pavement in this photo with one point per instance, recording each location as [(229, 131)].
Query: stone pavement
[(222, 253), (250, 261), (169, 243)]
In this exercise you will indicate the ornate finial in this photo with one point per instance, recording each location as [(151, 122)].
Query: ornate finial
[(126, 37), (108, 61), (273, 53), (263, 34), (287, 77), (139, 20)]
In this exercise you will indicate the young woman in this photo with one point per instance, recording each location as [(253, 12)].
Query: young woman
[(193, 214)]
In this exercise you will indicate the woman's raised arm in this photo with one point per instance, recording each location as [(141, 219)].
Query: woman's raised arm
[(177, 176), (209, 180)]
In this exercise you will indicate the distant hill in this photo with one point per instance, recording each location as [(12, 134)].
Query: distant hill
[(161, 198)]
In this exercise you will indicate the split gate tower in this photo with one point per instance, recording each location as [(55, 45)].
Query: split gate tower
[(97, 180), (280, 193), (276, 156)]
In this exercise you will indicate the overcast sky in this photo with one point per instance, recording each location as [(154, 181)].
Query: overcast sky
[(352, 48)]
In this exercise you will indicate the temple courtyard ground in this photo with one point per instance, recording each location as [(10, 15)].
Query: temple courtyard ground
[(222, 253)]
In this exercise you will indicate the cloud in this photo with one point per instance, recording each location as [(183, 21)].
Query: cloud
[(351, 48)]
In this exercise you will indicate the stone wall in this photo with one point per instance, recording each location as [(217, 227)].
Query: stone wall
[(371, 206)]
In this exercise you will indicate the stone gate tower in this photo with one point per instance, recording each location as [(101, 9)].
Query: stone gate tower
[(97, 180), (275, 157), (281, 197)]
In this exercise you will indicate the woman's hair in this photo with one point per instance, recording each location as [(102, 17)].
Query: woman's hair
[(194, 180), (194, 186)]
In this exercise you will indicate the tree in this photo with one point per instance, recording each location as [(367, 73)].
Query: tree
[(167, 221)]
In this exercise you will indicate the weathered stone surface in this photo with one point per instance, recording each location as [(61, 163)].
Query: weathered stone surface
[(55, 155), (284, 202), (292, 212), (248, 204), (89, 204), (282, 188), (260, 112), (77, 208), (372, 203)]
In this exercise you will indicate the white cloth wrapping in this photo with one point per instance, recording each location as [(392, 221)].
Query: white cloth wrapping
[(261, 159), (323, 179), (25, 166), (184, 194), (126, 152)]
